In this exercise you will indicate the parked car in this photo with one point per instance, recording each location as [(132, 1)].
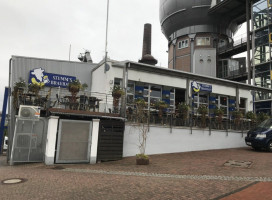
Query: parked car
[(261, 136), (5, 147)]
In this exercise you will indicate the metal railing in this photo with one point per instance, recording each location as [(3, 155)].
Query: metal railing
[(104, 103), (175, 119), (237, 41), (61, 98)]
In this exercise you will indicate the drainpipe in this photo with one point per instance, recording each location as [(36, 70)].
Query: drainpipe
[(174, 53), (9, 111), (248, 42), (124, 97), (192, 39), (188, 95), (237, 98), (253, 60)]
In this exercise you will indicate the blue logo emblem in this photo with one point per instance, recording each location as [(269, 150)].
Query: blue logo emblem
[(40, 77)]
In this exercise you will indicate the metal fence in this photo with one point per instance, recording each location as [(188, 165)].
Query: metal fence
[(175, 119), (63, 99)]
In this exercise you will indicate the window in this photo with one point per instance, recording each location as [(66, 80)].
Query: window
[(130, 92), (203, 41), (223, 104), (183, 44), (242, 105), (155, 94), (199, 99)]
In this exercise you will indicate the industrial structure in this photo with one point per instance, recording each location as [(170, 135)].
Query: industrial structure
[(200, 40)]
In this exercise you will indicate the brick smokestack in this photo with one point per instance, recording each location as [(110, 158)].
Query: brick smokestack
[(147, 58)]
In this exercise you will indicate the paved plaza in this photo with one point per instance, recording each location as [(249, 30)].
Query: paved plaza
[(217, 174)]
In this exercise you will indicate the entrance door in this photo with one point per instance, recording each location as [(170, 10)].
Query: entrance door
[(74, 140)]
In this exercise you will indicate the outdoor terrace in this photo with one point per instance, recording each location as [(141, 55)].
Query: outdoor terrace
[(61, 102)]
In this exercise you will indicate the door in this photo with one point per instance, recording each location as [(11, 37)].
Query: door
[(110, 140), (74, 141)]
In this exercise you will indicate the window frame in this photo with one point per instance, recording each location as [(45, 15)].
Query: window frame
[(205, 39), (186, 44)]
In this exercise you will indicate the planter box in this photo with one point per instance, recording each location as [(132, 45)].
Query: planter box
[(141, 161)]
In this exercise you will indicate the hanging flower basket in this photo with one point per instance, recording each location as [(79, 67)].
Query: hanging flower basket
[(117, 92)]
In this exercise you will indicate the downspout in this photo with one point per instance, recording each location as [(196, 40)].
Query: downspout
[(9, 110), (248, 42), (253, 60), (125, 82), (192, 44), (174, 53)]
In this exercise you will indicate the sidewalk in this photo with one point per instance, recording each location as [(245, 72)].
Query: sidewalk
[(218, 174)]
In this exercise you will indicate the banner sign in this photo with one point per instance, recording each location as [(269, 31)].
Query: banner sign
[(199, 87), (40, 77)]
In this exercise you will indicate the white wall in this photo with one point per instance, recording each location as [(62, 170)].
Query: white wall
[(133, 75), (161, 141), (247, 95), (156, 79), (51, 140), (101, 84)]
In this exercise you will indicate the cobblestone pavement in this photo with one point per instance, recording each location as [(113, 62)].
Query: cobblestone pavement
[(192, 175)]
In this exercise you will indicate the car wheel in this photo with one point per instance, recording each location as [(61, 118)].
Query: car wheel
[(269, 146)]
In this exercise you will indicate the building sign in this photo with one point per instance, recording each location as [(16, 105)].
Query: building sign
[(199, 87), (40, 77)]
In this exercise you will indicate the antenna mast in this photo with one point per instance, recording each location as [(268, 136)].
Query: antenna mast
[(106, 45)]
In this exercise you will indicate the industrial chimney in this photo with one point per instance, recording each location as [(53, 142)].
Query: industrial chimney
[(147, 58)]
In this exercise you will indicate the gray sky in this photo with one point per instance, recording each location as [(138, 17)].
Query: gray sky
[(46, 28)]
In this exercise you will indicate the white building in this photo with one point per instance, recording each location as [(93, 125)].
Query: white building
[(46, 139)]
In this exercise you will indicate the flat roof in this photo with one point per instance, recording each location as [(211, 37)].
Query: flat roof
[(188, 75), (77, 62)]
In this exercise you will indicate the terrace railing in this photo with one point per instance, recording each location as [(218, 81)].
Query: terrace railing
[(62, 99), (175, 119)]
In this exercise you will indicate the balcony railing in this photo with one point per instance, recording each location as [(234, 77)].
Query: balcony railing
[(175, 119), (62, 99), (96, 102)]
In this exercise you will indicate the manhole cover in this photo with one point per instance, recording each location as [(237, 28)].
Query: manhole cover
[(13, 181), (234, 163)]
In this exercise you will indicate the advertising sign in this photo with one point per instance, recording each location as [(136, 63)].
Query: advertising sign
[(199, 87), (40, 77)]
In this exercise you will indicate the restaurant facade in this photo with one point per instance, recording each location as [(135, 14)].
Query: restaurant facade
[(53, 126)]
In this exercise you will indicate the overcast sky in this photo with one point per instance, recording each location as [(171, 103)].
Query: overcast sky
[(46, 29)]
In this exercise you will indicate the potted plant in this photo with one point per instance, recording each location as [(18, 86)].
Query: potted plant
[(20, 85), (252, 117), (18, 89), (35, 88), (74, 87), (84, 86), (203, 111), (160, 105), (117, 92), (219, 112), (237, 117), (184, 111), (141, 125)]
